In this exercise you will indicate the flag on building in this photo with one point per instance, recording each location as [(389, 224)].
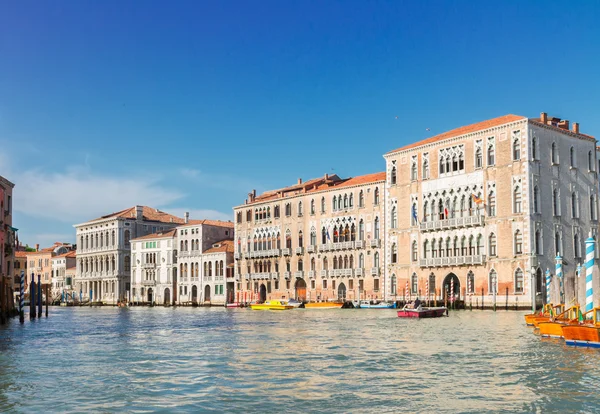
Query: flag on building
[(476, 199), (414, 213)]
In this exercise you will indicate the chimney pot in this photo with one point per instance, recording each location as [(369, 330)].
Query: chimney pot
[(576, 127), (37, 247), (299, 181), (186, 217), (139, 212), (544, 118)]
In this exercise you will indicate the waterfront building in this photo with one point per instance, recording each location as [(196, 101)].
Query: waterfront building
[(185, 265), (39, 262), (486, 208), (7, 241), (60, 282), (20, 264), (104, 250), (315, 240)]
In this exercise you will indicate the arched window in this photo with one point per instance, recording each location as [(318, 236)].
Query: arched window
[(325, 264), (393, 176), (288, 209), (335, 203), (555, 202), (536, 199), (432, 288), (534, 148), (517, 200), (492, 245), (425, 169), (425, 249), (415, 255), (300, 265), (463, 246), (345, 200), (463, 205), (492, 204), (361, 261), (574, 206), (376, 196), (394, 221), (557, 243), (554, 153), (313, 237), (461, 161), (516, 149), (353, 232), (322, 204), (361, 199), (127, 237), (323, 236), (413, 171), (538, 242), (491, 155), (312, 264), (593, 207), (425, 211), (433, 248), (470, 282), (591, 162), (376, 260), (300, 239), (127, 264), (394, 253), (300, 209), (448, 247), (471, 246), (479, 244), (493, 282), (518, 242), (442, 165), (312, 206), (414, 284), (276, 212), (478, 158), (288, 239), (572, 157), (413, 214), (361, 230), (518, 280), (376, 231), (394, 285), (576, 245)]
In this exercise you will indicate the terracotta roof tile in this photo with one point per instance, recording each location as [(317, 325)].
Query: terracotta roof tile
[(223, 246), (72, 253), (159, 235), (148, 213), (317, 185), (490, 123), (20, 254), (217, 223)]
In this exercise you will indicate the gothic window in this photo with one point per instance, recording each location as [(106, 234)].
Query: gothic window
[(300, 239), (127, 237), (555, 202), (335, 203), (394, 285), (239, 217), (518, 281), (516, 145), (361, 261), (351, 200), (554, 153), (414, 285), (288, 240), (478, 159), (491, 153), (479, 244), (432, 283), (393, 176), (361, 230), (300, 209), (276, 212), (536, 199), (557, 243), (492, 245), (492, 204), (415, 255), (425, 169), (323, 236), (574, 206), (288, 209), (394, 253), (425, 211), (376, 232), (376, 196), (313, 237), (425, 249), (538, 242), (413, 169), (312, 206), (376, 260), (572, 157), (322, 204), (534, 148), (518, 242), (394, 221), (517, 200), (493, 282), (361, 199)]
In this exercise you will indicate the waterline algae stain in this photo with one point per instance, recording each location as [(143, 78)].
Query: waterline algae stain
[(196, 360)]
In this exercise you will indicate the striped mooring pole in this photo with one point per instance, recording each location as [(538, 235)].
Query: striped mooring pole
[(548, 279), (39, 298), (559, 275), (22, 297), (427, 291), (590, 247)]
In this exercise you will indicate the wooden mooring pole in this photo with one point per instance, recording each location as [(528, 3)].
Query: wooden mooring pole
[(32, 297)]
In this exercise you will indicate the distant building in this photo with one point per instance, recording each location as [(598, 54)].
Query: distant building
[(487, 208), (60, 282), (39, 262), (184, 265), (104, 251), (20, 264), (315, 240)]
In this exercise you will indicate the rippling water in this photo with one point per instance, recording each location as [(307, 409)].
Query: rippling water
[(200, 359)]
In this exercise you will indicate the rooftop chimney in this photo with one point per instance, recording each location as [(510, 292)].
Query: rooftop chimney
[(37, 247), (576, 127), (544, 118), (186, 217), (139, 212), (299, 181), (564, 124), (326, 176)]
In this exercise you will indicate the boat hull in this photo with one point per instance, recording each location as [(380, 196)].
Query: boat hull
[(235, 305), (539, 319), (271, 305), (580, 335), (422, 313), (323, 305), (552, 329)]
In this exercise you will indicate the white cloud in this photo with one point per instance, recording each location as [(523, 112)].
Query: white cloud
[(201, 214), (78, 195)]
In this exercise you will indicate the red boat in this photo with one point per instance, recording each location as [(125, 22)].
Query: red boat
[(422, 312)]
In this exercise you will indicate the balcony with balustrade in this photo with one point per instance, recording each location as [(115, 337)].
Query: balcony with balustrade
[(452, 223), (359, 272), (148, 265), (299, 250), (312, 274), (286, 252), (331, 247), (375, 243), (324, 273), (237, 255), (341, 273), (287, 275), (311, 249), (452, 261), (375, 271), (299, 274)]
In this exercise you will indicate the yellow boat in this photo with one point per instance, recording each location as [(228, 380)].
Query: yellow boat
[(553, 327), (323, 305), (272, 305), (544, 315)]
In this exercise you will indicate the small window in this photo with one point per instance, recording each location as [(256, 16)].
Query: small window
[(518, 281), (572, 157), (554, 153), (518, 242), (393, 176), (517, 200)]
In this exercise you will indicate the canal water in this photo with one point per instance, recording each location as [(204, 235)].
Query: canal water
[(335, 361)]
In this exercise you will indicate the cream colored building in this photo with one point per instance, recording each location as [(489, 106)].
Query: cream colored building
[(104, 251), (537, 180), (60, 282), (316, 240)]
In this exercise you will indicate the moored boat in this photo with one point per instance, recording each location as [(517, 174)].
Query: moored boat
[(422, 312), (294, 303), (586, 334), (323, 305), (365, 304), (272, 305), (546, 312), (553, 327), (235, 305)]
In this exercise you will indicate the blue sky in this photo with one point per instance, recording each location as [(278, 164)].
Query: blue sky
[(187, 106)]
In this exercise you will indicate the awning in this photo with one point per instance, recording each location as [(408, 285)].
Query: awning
[(12, 228)]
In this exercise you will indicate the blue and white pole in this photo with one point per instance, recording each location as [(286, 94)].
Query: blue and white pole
[(559, 275), (22, 297), (548, 279), (590, 247)]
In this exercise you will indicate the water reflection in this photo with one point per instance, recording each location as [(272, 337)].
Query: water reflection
[(194, 360)]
